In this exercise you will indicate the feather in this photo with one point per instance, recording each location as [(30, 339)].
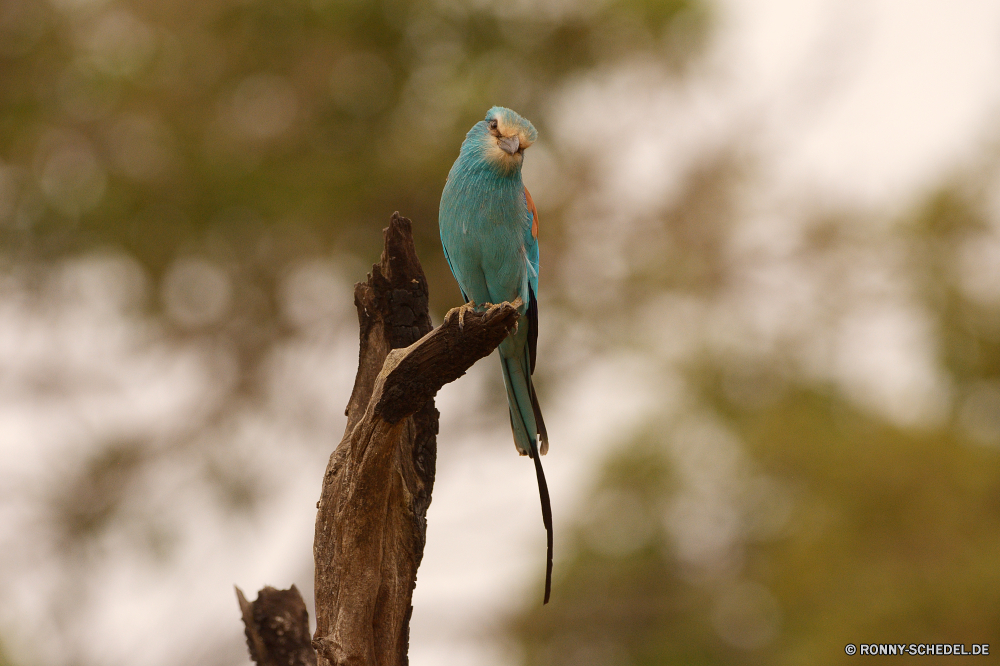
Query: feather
[(534, 213)]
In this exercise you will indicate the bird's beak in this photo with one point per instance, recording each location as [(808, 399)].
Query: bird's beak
[(510, 144)]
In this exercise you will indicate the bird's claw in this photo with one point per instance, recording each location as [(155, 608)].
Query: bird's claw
[(461, 314), (490, 309)]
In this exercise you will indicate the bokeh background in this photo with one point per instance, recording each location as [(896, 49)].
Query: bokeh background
[(770, 320)]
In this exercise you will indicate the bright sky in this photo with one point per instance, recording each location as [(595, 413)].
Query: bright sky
[(888, 93)]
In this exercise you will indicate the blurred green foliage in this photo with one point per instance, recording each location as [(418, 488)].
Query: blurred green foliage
[(262, 130), (258, 133)]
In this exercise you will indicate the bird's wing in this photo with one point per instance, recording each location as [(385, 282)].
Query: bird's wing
[(531, 253), (452, 267), (531, 241), (531, 250), (533, 211)]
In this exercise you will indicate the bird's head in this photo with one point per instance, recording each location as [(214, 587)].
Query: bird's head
[(505, 136)]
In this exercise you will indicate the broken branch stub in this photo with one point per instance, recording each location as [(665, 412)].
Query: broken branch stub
[(277, 628)]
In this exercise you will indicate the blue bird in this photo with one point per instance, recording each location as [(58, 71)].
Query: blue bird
[(489, 231)]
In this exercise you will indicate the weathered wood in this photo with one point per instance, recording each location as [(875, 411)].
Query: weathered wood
[(277, 628), (371, 519)]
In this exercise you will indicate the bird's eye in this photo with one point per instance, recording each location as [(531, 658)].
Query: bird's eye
[(493, 124)]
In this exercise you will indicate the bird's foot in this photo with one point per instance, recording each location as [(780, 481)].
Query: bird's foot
[(466, 307), (492, 307)]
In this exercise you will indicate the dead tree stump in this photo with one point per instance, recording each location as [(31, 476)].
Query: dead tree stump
[(371, 520)]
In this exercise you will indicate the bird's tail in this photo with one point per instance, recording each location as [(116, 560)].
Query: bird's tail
[(525, 415), (543, 494), (525, 418)]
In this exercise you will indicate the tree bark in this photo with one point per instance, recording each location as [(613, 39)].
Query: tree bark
[(371, 521)]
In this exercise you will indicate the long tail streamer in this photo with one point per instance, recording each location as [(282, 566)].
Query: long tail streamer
[(543, 494)]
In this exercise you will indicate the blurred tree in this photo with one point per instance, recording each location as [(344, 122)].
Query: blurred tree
[(252, 134)]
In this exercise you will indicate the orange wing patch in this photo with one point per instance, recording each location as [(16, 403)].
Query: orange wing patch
[(533, 211)]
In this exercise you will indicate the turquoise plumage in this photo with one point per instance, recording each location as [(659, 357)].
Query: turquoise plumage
[(489, 231)]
